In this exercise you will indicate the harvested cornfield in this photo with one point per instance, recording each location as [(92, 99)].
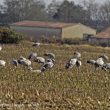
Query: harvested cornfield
[(56, 89)]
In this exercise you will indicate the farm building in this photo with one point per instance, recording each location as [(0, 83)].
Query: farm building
[(38, 29), (102, 38)]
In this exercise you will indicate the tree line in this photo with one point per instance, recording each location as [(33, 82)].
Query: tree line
[(88, 12)]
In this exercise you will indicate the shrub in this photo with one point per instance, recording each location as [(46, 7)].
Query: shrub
[(45, 39), (9, 36), (73, 41)]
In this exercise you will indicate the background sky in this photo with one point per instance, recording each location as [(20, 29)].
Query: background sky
[(48, 1)]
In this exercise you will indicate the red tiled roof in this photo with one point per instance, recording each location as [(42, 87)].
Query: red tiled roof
[(43, 24), (107, 30), (103, 34)]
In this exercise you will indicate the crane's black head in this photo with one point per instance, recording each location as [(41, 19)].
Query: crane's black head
[(43, 69), (67, 66)]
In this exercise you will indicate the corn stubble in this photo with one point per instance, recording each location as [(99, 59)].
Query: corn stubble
[(56, 89)]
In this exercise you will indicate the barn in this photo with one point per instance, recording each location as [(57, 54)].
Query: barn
[(58, 30), (102, 38)]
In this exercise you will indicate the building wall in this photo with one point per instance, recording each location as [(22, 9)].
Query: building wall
[(77, 31), (99, 41), (38, 33)]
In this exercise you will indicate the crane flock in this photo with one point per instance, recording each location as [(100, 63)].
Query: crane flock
[(48, 61)]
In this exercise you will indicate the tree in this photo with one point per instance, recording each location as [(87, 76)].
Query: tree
[(105, 12), (92, 12), (52, 9), (18, 10), (69, 12), (36, 11)]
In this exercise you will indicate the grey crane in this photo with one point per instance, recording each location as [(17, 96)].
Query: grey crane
[(40, 60), (25, 62), (77, 54), (48, 65), (15, 62), (98, 62), (32, 56), (0, 47), (73, 62), (50, 55), (36, 44), (2, 63)]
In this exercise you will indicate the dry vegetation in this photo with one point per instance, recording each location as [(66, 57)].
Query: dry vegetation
[(57, 89)]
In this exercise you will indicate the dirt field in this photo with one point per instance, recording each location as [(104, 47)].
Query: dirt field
[(56, 89)]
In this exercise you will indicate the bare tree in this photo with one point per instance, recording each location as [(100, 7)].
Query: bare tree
[(18, 10), (105, 11)]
